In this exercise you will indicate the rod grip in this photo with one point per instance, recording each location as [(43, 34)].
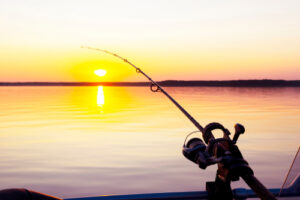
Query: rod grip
[(261, 191)]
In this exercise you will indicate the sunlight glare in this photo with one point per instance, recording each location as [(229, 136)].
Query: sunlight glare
[(100, 72)]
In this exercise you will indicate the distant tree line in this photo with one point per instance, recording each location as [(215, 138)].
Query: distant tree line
[(170, 83)]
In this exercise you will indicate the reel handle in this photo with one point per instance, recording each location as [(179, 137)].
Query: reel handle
[(239, 129)]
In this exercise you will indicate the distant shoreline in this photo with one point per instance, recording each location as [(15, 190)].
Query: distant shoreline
[(170, 83)]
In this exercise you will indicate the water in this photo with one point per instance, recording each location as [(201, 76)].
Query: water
[(87, 141)]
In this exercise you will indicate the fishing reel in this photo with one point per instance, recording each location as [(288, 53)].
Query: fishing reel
[(222, 151)]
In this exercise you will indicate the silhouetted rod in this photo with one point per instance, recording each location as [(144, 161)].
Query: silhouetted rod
[(159, 88), (261, 191)]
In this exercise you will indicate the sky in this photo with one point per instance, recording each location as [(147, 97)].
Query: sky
[(183, 40)]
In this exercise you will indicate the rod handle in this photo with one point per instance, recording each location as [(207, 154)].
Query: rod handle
[(260, 190)]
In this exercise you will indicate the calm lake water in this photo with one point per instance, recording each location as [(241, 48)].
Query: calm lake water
[(87, 141)]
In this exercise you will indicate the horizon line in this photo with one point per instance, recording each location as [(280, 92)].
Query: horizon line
[(261, 79), (171, 83)]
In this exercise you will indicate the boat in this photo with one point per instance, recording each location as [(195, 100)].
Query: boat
[(238, 194)]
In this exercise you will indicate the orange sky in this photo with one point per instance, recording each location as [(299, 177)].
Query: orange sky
[(187, 40)]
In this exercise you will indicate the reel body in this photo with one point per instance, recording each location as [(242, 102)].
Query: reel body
[(221, 151)]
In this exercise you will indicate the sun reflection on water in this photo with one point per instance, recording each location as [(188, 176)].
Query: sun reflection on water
[(100, 96)]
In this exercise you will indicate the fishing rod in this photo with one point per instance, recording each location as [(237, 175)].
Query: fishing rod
[(153, 85), (221, 151)]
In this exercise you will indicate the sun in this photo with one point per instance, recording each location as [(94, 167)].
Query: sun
[(100, 72)]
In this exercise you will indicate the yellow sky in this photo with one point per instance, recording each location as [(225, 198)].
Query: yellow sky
[(187, 40)]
